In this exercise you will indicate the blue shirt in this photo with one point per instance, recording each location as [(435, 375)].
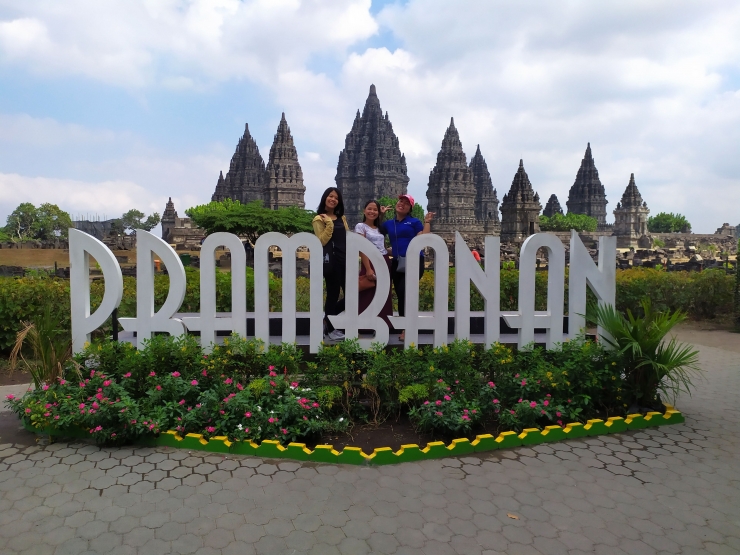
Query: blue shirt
[(401, 233)]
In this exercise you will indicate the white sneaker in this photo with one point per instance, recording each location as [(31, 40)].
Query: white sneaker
[(336, 335)]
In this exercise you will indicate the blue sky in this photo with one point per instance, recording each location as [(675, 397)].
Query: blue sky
[(122, 104)]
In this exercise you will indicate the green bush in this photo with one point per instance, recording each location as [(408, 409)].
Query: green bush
[(119, 394)]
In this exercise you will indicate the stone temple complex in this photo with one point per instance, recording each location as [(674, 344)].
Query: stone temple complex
[(278, 185), (372, 164), (552, 207), (180, 231), (486, 201), (520, 209), (587, 194), (630, 218)]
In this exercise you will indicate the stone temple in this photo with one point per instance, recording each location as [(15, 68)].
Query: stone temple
[(278, 185), (461, 195), (587, 195), (372, 164), (630, 218), (520, 209), (552, 207)]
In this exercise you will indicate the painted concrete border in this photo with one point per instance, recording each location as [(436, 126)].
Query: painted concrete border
[(270, 449)]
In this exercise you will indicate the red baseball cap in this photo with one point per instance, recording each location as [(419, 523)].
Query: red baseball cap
[(408, 198)]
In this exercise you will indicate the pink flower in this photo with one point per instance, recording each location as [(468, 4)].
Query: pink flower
[(56, 417), (512, 412), (271, 420), (158, 388), (248, 414), (222, 412), (62, 382), (293, 384), (474, 411), (491, 384), (44, 387), (228, 381), (532, 404), (558, 414), (113, 435), (519, 401), (545, 402), (151, 374), (99, 428), (175, 374), (127, 375), (272, 383), (465, 411), (495, 401), (305, 418), (560, 422), (542, 412), (95, 405), (106, 383), (239, 386), (10, 397), (284, 431), (194, 382), (182, 402), (438, 414), (82, 384), (271, 367), (197, 406), (47, 414), (447, 398), (548, 395), (569, 400), (438, 402), (516, 375), (99, 396), (465, 417), (524, 382), (210, 429), (315, 405), (204, 372), (28, 411), (439, 380), (426, 402)]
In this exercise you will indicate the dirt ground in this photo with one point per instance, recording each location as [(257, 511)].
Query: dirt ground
[(709, 333), (45, 258)]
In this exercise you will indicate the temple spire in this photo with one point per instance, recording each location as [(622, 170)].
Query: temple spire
[(587, 195), (284, 177)]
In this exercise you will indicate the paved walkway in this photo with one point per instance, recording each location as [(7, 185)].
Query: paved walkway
[(658, 491)]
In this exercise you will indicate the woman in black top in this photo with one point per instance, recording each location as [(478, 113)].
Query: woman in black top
[(334, 240)]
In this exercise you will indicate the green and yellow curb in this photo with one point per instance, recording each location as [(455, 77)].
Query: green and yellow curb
[(270, 449)]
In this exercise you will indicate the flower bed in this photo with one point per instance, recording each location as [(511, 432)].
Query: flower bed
[(243, 398)]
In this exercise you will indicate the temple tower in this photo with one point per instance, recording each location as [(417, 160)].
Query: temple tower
[(169, 217), (451, 192), (486, 201), (246, 179), (372, 164), (284, 181), (520, 209), (630, 217), (587, 195), (552, 207)]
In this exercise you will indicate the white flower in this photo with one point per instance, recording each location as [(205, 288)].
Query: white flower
[(341, 418), (240, 426), (259, 408)]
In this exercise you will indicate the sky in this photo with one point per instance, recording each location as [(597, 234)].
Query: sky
[(108, 106)]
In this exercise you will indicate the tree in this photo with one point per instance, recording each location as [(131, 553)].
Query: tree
[(559, 222), (416, 212), (134, 219), (666, 222), (44, 223), (22, 222), (249, 220), (52, 222)]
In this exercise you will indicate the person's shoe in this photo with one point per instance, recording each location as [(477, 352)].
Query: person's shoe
[(336, 335)]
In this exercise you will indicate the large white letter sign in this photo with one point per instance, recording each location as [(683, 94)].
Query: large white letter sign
[(412, 322), (288, 245), (81, 246), (488, 282), (349, 320), (601, 280), (147, 321), (207, 322), (552, 318)]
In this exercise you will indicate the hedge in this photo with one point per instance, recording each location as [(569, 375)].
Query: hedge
[(700, 294)]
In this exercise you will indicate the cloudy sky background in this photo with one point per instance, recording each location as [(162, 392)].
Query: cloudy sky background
[(107, 106)]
